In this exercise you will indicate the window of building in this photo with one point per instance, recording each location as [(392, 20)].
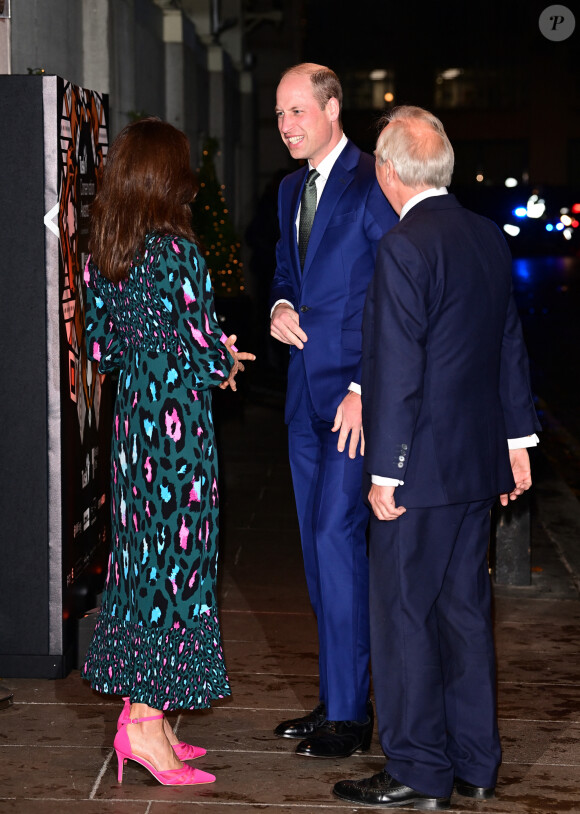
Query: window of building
[(368, 90), (478, 89)]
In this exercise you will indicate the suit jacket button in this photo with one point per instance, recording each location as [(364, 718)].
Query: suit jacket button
[(400, 465), (401, 457), (304, 308)]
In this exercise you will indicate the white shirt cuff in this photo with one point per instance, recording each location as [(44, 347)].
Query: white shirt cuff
[(355, 388), (278, 303), (525, 441), (381, 481), (513, 443)]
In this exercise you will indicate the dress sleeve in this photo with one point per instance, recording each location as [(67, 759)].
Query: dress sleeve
[(103, 343), (186, 291)]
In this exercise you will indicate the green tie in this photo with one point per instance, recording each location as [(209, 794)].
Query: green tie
[(307, 212)]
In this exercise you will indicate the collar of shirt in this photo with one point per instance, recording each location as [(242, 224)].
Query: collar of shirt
[(327, 163), (420, 196)]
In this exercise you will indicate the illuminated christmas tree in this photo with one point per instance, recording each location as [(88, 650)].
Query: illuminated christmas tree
[(214, 228)]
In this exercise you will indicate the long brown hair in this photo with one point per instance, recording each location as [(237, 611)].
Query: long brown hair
[(147, 186)]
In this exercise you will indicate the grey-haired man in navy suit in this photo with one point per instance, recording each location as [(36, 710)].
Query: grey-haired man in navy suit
[(447, 417)]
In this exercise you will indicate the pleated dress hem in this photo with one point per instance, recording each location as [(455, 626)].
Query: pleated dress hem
[(175, 668)]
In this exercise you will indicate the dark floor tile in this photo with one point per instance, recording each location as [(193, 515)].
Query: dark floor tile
[(63, 725), (260, 658), (59, 806), (282, 629), (71, 689), (51, 772), (542, 743), (554, 641), (291, 695), (540, 789), (538, 668), (532, 611), (555, 702), (334, 806)]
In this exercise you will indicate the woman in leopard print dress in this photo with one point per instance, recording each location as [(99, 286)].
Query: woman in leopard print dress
[(150, 314)]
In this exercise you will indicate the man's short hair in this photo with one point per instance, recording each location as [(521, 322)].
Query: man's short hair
[(418, 147), (325, 83)]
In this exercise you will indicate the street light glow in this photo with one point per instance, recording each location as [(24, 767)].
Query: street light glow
[(536, 207), (511, 229)]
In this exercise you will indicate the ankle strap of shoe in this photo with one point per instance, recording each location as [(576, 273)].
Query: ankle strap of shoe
[(142, 720)]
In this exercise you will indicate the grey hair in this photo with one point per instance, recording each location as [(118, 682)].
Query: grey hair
[(418, 147)]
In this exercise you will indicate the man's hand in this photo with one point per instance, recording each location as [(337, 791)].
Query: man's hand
[(237, 366), (348, 419), (520, 461), (285, 326), (382, 500)]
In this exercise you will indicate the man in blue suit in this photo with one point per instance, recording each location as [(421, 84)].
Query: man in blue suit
[(330, 228), (447, 414)]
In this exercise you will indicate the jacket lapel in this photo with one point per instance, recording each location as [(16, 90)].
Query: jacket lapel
[(340, 178)]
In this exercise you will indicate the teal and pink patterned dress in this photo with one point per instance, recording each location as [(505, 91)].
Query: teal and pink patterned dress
[(157, 637)]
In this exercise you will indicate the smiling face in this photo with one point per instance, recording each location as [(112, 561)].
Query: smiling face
[(306, 130)]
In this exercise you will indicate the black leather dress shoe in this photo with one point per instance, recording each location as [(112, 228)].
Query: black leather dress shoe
[(302, 727), (477, 792), (338, 739), (383, 790)]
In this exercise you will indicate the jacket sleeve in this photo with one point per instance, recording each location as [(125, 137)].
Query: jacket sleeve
[(283, 287), (103, 343), (394, 357), (186, 291), (515, 389)]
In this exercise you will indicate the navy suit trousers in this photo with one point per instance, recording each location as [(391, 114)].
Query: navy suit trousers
[(333, 519), (433, 660)]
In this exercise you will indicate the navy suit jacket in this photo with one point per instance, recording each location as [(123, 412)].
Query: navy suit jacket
[(445, 371), (329, 294)]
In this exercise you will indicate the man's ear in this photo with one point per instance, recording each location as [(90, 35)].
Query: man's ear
[(385, 171), (333, 108)]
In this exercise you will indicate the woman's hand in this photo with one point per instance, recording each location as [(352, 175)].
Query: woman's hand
[(239, 358)]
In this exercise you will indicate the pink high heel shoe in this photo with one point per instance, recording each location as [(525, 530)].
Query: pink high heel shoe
[(186, 776), (184, 751)]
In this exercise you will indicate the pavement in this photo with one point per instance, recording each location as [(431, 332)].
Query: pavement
[(56, 752)]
